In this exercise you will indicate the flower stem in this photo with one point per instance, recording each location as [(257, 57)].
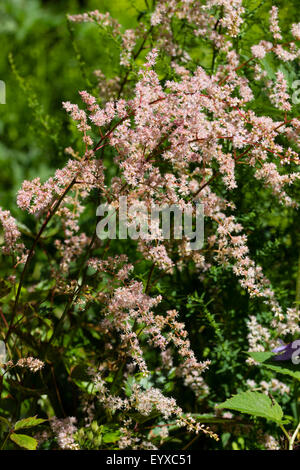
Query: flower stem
[(292, 439)]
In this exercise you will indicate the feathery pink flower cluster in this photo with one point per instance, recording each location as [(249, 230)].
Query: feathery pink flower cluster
[(64, 430), (11, 236), (170, 141), (195, 115), (31, 363), (280, 97), (274, 25)]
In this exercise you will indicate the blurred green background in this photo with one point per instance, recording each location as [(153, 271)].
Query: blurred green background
[(43, 63)]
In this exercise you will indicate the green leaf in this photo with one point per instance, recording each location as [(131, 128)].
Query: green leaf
[(282, 367), (28, 423), (255, 404), (22, 440), (4, 421), (261, 356), (111, 437)]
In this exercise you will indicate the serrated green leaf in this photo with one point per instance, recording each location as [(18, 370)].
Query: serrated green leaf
[(261, 356), (281, 367), (22, 440), (255, 404), (28, 423)]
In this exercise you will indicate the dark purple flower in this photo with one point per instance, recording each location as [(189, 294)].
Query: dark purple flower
[(287, 351)]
